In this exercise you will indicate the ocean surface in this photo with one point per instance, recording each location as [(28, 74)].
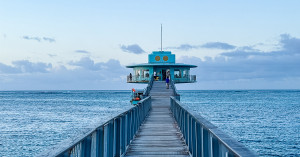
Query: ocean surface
[(265, 121)]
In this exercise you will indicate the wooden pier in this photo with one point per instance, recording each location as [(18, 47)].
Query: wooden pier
[(159, 134), (159, 125)]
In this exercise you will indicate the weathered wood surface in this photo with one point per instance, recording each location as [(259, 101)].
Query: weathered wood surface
[(159, 134)]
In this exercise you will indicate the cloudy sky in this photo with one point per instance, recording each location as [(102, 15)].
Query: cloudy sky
[(48, 45)]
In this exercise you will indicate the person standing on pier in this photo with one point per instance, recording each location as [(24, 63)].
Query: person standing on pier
[(167, 82), (130, 77)]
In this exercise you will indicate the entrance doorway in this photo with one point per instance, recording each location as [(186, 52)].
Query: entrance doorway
[(164, 74)]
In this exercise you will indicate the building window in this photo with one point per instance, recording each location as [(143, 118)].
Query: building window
[(177, 73), (137, 72), (146, 73), (185, 73)]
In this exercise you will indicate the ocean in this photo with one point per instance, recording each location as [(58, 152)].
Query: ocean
[(265, 121)]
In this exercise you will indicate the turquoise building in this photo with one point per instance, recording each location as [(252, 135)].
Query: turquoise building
[(161, 64)]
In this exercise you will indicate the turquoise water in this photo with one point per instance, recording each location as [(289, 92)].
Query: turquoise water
[(267, 122), (31, 121)]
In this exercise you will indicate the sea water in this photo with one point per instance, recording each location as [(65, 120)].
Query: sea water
[(32, 121), (265, 121)]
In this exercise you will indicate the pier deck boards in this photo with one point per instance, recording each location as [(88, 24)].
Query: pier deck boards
[(159, 134)]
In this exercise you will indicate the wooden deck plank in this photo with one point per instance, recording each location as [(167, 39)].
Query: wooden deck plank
[(159, 134)]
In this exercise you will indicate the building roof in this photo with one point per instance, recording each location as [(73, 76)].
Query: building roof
[(161, 59), (161, 65)]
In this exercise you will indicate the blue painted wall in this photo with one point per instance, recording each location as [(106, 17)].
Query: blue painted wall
[(161, 57)]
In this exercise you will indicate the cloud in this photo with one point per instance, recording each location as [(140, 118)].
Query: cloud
[(86, 63), (32, 38), (86, 74), (51, 40), (82, 51), (6, 69), (209, 45), (184, 47), (52, 55), (25, 66), (240, 68), (290, 44), (136, 49), (218, 45), (39, 39), (257, 69)]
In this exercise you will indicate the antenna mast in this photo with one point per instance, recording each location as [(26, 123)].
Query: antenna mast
[(161, 37)]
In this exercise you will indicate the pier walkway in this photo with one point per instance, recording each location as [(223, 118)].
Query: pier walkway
[(159, 125), (159, 134)]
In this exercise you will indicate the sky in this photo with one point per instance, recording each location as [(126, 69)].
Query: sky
[(85, 45)]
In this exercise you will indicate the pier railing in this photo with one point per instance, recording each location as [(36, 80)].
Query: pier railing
[(149, 86), (185, 79), (173, 87), (110, 139), (138, 79), (203, 138)]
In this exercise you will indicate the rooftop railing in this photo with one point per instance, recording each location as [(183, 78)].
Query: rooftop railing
[(109, 139), (203, 138)]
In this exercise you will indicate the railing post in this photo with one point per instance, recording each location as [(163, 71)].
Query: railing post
[(210, 144), (86, 147), (183, 124), (133, 123), (190, 134), (116, 150), (106, 142), (99, 142), (123, 133), (126, 130), (128, 125), (215, 147), (198, 140), (206, 143), (108, 139), (186, 127), (111, 138), (193, 138)]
